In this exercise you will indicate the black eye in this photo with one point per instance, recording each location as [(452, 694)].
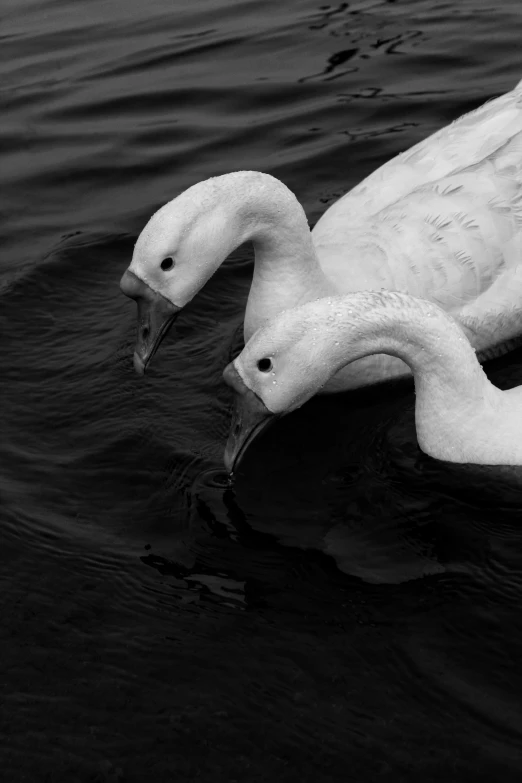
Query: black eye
[(167, 264), (264, 365)]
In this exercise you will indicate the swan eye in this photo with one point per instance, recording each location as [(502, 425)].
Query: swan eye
[(264, 365), (167, 264)]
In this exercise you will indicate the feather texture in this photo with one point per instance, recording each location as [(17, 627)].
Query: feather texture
[(441, 221)]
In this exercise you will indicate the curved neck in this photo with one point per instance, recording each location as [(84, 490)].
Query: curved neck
[(286, 272), (452, 390)]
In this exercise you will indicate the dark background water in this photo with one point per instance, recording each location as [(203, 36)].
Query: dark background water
[(348, 608)]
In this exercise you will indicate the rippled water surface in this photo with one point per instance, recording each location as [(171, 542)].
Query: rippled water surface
[(347, 608)]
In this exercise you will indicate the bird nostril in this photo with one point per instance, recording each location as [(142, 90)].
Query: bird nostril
[(237, 429), (145, 332)]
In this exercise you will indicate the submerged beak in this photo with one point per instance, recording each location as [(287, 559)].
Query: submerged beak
[(155, 317), (250, 417)]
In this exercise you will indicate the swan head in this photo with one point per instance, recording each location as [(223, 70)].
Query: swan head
[(279, 369), (179, 249)]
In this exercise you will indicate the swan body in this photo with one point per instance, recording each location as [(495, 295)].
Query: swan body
[(442, 221), (459, 415)]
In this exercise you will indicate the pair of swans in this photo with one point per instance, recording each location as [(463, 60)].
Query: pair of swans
[(442, 221)]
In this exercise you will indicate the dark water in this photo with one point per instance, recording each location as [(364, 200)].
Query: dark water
[(347, 609)]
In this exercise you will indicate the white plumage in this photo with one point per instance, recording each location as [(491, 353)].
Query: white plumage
[(459, 415), (442, 221)]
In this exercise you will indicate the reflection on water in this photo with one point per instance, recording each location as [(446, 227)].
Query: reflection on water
[(345, 599)]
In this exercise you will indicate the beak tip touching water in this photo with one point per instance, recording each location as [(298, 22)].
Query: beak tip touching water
[(249, 418), (229, 460), (156, 314), (139, 364)]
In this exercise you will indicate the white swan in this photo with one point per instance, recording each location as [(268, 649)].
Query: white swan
[(442, 221), (459, 415)]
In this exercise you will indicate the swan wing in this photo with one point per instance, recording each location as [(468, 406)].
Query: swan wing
[(467, 141)]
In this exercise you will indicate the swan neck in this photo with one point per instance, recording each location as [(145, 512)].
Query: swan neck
[(286, 271), (457, 408), (428, 340), (273, 219)]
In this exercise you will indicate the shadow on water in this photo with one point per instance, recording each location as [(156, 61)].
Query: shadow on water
[(346, 604), (337, 535), (364, 571)]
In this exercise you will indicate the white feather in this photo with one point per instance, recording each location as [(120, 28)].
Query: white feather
[(442, 221)]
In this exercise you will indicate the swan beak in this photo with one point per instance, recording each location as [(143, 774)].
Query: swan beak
[(155, 317), (250, 417)]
